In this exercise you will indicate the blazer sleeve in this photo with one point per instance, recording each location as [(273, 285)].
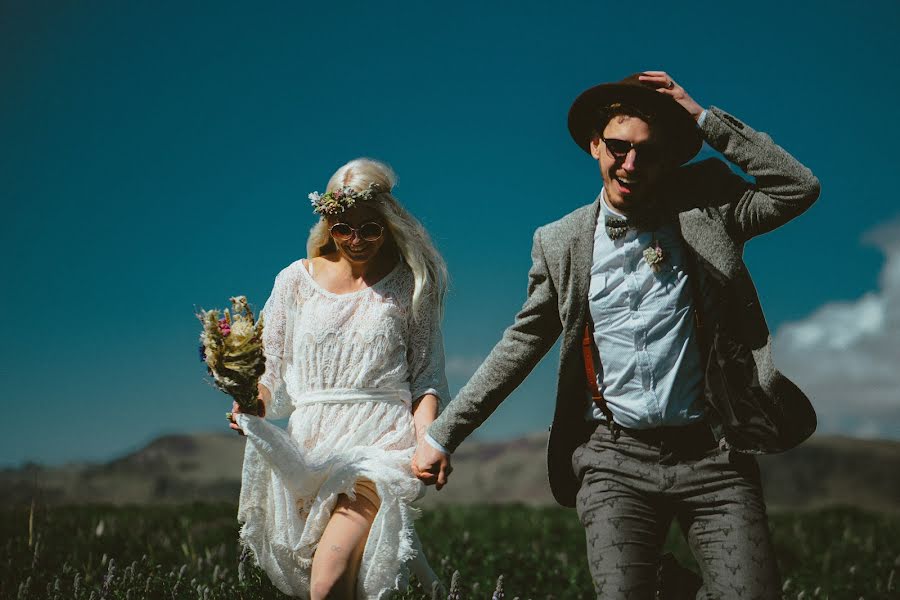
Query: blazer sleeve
[(524, 343), (783, 187)]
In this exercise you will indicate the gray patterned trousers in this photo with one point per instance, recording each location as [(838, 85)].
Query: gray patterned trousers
[(631, 489)]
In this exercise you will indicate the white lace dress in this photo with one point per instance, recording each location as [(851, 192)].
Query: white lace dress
[(344, 368)]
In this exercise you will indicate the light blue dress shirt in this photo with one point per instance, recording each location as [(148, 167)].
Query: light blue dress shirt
[(649, 368)]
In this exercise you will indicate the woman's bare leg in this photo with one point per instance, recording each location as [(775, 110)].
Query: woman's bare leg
[(339, 553)]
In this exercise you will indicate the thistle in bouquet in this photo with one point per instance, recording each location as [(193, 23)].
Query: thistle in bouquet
[(231, 347)]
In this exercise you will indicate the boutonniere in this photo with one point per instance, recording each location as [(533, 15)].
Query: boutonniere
[(654, 256)]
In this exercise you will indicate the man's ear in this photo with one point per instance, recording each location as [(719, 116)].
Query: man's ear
[(595, 147)]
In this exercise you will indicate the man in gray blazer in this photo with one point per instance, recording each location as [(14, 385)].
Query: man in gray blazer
[(666, 384)]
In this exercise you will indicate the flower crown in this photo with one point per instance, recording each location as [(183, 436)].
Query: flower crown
[(339, 200)]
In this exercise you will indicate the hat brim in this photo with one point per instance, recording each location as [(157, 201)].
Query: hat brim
[(679, 128)]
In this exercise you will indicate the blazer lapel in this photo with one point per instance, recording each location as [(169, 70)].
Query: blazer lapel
[(706, 237), (582, 253)]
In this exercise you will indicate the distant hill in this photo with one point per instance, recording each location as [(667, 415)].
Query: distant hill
[(824, 471)]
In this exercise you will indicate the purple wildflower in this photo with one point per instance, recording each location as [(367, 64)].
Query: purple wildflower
[(498, 591)]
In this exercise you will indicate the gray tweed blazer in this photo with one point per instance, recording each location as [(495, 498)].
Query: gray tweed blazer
[(750, 405)]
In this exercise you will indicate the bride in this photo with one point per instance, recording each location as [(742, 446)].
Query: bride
[(354, 356)]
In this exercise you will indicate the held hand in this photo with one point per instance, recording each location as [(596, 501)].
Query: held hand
[(236, 408), (431, 465), (666, 85)]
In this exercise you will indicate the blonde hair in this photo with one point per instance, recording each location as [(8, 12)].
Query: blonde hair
[(412, 241)]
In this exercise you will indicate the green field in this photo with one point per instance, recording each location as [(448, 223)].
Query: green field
[(192, 552)]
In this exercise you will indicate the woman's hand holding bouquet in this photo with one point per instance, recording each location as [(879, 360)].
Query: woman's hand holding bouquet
[(261, 401)]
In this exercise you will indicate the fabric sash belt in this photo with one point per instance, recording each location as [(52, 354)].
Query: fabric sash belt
[(352, 395)]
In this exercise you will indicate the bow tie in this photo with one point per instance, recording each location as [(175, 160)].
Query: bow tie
[(616, 227)]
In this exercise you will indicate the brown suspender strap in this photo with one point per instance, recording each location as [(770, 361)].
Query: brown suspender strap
[(693, 279), (587, 351)]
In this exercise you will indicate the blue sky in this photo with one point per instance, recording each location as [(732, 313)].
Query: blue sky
[(155, 157)]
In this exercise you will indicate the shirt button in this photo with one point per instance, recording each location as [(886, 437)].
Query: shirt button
[(633, 315)]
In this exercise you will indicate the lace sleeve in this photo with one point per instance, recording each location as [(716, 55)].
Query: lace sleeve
[(426, 355), (275, 345)]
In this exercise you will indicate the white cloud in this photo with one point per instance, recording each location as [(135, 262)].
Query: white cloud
[(461, 366), (846, 355)]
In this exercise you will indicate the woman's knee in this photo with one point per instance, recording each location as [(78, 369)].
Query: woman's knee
[(318, 589), (330, 584)]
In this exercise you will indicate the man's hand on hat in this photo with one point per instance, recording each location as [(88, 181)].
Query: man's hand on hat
[(666, 85)]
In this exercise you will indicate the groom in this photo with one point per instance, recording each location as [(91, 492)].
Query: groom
[(666, 384)]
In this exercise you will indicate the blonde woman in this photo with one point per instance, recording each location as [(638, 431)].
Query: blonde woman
[(354, 356)]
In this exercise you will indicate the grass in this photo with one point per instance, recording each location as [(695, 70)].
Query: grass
[(192, 552)]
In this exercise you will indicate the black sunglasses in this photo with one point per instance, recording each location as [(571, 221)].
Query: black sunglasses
[(620, 149), (368, 232)]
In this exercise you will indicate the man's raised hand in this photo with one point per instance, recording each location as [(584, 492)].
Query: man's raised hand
[(666, 85)]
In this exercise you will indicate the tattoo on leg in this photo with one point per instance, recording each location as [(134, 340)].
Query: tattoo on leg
[(336, 548)]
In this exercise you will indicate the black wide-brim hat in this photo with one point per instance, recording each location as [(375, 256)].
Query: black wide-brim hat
[(673, 121)]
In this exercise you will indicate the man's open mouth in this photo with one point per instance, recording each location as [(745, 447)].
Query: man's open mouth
[(626, 184)]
